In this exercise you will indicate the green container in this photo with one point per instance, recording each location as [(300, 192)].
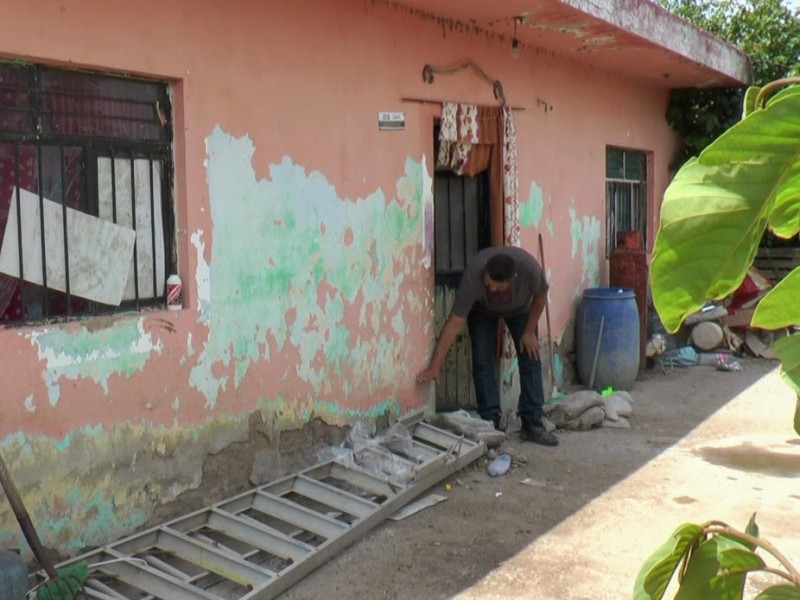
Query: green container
[(13, 576)]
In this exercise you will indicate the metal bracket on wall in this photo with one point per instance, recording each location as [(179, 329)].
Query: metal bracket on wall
[(257, 544)]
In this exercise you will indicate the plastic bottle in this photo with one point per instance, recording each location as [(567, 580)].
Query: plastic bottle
[(174, 295), (500, 465)]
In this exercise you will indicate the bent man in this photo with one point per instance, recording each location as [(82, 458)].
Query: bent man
[(507, 283)]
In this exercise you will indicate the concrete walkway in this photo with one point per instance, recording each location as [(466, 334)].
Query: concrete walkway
[(743, 458)]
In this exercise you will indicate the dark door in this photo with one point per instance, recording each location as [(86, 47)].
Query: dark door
[(462, 227)]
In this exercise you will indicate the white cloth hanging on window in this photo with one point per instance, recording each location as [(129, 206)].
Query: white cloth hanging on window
[(458, 132)]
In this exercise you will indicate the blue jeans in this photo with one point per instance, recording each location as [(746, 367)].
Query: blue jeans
[(483, 333)]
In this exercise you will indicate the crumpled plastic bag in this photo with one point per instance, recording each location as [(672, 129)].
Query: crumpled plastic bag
[(390, 453)]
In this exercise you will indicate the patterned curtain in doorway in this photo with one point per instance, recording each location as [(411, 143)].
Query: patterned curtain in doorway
[(474, 138)]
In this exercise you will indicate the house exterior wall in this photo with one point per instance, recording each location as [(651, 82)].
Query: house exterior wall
[(303, 235)]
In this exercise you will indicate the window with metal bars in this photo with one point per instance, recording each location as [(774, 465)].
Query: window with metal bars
[(626, 194), (86, 213)]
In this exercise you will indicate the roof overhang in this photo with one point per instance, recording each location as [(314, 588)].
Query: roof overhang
[(635, 38)]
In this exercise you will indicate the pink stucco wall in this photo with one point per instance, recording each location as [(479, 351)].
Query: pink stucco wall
[(289, 88)]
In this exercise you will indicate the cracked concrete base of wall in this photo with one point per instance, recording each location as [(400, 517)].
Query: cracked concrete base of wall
[(242, 465)]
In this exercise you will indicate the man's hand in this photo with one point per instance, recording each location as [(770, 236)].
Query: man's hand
[(450, 330), (429, 374), (529, 344)]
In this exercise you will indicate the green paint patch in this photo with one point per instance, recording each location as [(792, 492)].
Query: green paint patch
[(530, 211), (120, 349), (585, 234), (278, 248), (74, 532)]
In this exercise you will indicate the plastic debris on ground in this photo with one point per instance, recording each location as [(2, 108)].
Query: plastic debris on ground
[(415, 507), (499, 466)]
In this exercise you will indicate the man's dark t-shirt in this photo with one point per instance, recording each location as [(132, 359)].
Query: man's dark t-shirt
[(529, 281)]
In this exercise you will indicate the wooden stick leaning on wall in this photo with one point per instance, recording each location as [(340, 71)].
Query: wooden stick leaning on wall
[(553, 389)]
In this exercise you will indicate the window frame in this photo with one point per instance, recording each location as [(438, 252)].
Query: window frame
[(625, 188), (94, 147)]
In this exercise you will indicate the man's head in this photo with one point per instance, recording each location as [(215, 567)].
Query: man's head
[(500, 270)]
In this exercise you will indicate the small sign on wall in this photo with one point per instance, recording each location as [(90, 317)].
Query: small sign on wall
[(392, 121)]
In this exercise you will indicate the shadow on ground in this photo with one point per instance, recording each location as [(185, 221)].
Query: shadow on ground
[(446, 549)]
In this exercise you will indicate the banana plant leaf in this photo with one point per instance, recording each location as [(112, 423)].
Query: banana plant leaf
[(655, 574), (702, 579), (779, 309), (717, 207), (780, 592)]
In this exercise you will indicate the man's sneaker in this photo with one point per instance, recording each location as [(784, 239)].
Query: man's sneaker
[(531, 432)]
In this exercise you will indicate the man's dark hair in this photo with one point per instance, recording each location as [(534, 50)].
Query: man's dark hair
[(501, 268)]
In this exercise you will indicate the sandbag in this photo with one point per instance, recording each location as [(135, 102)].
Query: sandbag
[(588, 419), (618, 404)]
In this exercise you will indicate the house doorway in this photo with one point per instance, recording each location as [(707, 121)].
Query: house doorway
[(462, 227)]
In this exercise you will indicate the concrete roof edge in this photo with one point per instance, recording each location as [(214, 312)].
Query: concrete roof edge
[(651, 21)]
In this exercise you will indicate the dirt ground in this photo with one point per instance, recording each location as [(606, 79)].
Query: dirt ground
[(704, 444)]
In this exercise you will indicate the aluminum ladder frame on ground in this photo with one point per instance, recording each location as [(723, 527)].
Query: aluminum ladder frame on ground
[(257, 544)]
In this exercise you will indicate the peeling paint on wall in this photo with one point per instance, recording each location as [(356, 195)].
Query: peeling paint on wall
[(585, 234), (530, 211), (550, 227), (123, 348), (290, 260), (95, 485), (202, 276), (427, 216)]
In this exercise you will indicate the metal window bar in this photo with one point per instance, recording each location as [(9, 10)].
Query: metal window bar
[(134, 226), (153, 223), (627, 209), (40, 186), (64, 194), (19, 213), (113, 186)]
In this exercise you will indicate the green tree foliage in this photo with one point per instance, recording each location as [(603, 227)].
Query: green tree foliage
[(767, 30)]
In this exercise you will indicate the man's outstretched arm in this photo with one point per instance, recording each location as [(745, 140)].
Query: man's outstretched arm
[(452, 327)]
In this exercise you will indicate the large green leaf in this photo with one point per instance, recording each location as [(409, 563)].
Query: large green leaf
[(778, 308), (785, 591), (796, 422), (718, 205), (788, 350), (784, 218), (702, 578), (657, 570), (749, 104), (740, 560)]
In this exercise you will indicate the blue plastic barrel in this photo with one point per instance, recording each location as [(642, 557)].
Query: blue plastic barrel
[(13, 577), (607, 338)]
